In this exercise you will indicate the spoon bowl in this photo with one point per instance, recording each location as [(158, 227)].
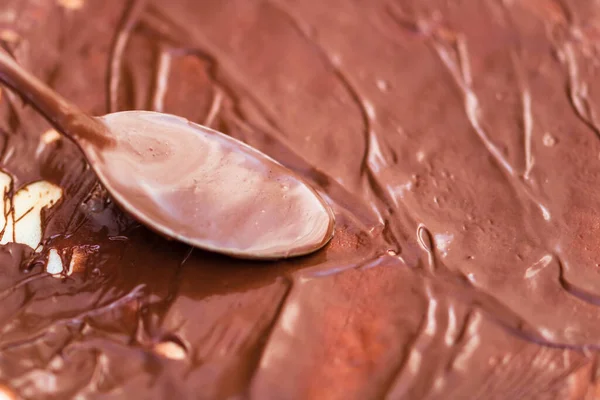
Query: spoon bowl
[(186, 181)]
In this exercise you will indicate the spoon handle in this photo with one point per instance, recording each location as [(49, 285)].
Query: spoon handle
[(63, 115)]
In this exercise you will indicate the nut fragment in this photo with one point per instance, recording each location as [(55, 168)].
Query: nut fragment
[(23, 224), (21, 217), (170, 349), (51, 135), (71, 4), (78, 258), (9, 36), (548, 140), (6, 393), (46, 138), (54, 266)]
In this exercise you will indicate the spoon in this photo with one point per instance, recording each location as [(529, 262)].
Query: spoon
[(186, 181)]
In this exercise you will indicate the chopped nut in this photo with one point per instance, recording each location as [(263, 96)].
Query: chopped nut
[(51, 135), (10, 36), (170, 349), (6, 393), (548, 140), (54, 266), (23, 224), (382, 85), (5, 187), (48, 137), (71, 4), (77, 260)]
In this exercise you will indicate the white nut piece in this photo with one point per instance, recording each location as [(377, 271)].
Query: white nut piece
[(10, 36), (51, 135), (6, 393), (71, 4), (54, 266), (5, 186), (22, 219), (170, 349), (46, 138)]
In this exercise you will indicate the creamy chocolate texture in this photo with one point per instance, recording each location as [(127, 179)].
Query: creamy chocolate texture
[(458, 143), (187, 181)]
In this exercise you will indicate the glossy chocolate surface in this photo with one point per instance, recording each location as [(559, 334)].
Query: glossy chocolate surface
[(458, 143), (207, 189), (186, 181)]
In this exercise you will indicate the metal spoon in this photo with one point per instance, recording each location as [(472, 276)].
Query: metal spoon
[(186, 181)]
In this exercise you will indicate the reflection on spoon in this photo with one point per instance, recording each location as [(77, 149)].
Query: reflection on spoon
[(186, 181)]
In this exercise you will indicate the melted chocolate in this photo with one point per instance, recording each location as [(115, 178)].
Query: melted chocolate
[(187, 181), (66, 117), (457, 142)]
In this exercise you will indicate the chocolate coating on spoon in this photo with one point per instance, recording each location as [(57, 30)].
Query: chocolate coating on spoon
[(189, 182), (209, 190)]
